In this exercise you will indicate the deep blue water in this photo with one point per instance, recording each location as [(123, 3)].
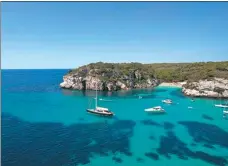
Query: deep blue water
[(43, 125)]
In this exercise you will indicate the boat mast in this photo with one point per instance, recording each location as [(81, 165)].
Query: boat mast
[(96, 96)]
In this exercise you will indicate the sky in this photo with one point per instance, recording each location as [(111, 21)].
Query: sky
[(55, 35)]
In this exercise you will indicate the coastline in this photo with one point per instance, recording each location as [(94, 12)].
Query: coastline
[(172, 84)]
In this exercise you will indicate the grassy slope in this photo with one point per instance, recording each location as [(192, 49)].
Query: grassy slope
[(164, 71)]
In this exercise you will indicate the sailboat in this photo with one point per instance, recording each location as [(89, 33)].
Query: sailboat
[(99, 110)]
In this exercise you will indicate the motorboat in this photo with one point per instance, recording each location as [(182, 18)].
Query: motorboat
[(157, 109), (167, 101)]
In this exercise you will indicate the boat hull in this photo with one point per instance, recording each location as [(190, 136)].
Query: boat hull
[(99, 113), (155, 112), (221, 106)]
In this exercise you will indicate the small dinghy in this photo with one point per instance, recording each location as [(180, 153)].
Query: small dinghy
[(157, 109), (167, 101)]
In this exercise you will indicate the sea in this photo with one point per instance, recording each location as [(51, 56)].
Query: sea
[(43, 125)]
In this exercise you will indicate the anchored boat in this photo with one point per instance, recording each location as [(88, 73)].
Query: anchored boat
[(100, 110), (221, 105), (167, 101), (157, 109)]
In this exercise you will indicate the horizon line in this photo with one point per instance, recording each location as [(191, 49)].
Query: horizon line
[(112, 63)]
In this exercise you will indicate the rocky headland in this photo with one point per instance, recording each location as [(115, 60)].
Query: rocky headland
[(91, 82), (196, 79), (215, 88)]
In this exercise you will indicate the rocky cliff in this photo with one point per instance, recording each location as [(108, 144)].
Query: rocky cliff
[(203, 79), (107, 80), (216, 87)]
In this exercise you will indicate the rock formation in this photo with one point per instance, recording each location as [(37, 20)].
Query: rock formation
[(89, 82), (196, 79), (216, 87)]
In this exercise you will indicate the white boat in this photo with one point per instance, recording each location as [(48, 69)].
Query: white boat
[(190, 107), (104, 100), (225, 112), (100, 110), (167, 101), (221, 105), (157, 109)]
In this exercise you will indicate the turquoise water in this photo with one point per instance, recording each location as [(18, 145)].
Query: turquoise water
[(44, 125)]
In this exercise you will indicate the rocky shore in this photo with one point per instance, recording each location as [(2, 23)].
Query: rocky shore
[(214, 88), (75, 81), (125, 76)]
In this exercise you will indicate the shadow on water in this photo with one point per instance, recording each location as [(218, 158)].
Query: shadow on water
[(160, 90), (153, 156), (151, 123), (124, 94), (168, 126), (165, 125), (117, 159), (203, 133), (177, 93), (207, 117), (170, 144), (152, 137), (206, 133), (209, 146), (139, 160), (53, 144)]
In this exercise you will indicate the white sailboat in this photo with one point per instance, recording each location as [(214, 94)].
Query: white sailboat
[(99, 110)]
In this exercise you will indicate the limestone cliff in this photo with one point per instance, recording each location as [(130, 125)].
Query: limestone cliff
[(216, 87), (202, 79), (107, 80)]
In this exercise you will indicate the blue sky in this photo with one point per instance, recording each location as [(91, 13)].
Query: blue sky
[(71, 34)]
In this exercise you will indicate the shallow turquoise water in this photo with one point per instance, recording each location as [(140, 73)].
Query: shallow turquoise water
[(40, 120)]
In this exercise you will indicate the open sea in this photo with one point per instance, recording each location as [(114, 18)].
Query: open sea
[(43, 125)]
